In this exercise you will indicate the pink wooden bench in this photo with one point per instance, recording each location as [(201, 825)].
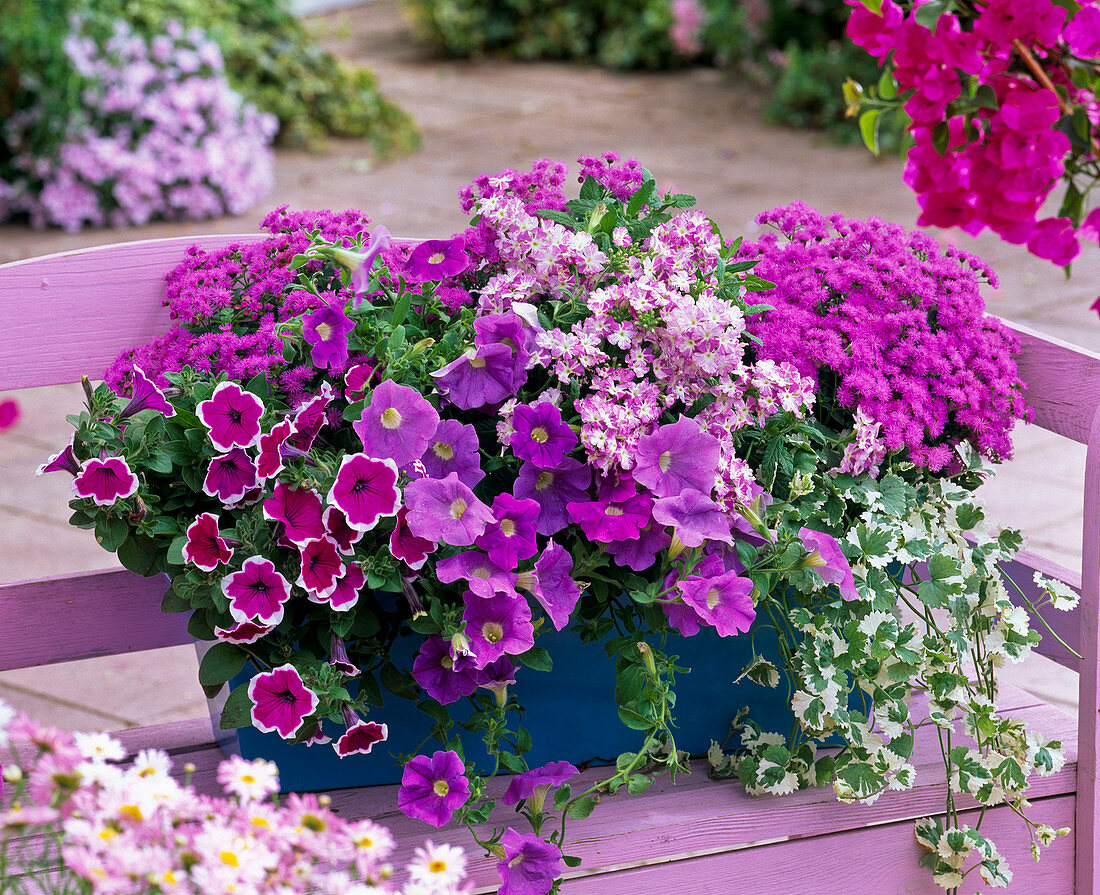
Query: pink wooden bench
[(69, 314)]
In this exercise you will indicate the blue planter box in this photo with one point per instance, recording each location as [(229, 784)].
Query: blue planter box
[(570, 712)]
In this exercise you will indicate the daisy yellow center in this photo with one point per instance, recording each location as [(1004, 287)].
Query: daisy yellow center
[(313, 823), (507, 527), (364, 842), (458, 507), (440, 788), (147, 772), (540, 434), (131, 811), (107, 834), (230, 858), (247, 778), (261, 823), (477, 362), (713, 598), (614, 511), (544, 481), (324, 330), (664, 461), (492, 631), (437, 866), (443, 451), (437, 258), (391, 418)]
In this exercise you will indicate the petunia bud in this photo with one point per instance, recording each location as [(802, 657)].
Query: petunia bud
[(647, 658)]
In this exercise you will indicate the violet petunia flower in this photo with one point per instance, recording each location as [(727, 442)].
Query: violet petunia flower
[(338, 657), (553, 489), (694, 518), (326, 330), (299, 509), (105, 480), (243, 632), (677, 456), (639, 553), (529, 783), (497, 677), (356, 381), (480, 376), (270, 460), (229, 477), (724, 602), (310, 417), (144, 395), (233, 417), (346, 592), (552, 584), (512, 536), (365, 489), (321, 567), (361, 265), (508, 329), (530, 865), (828, 560), (257, 592), (539, 435), (497, 626), (406, 546), (361, 736), (484, 576), (606, 520), (454, 448), (433, 789), (281, 702), (437, 259), (446, 510), (445, 678), (205, 547), (63, 461), (397, 424)]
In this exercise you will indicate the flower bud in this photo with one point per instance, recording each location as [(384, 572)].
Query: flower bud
[(647, 658)]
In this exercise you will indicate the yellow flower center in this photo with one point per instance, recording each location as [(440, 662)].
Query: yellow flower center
[(481, 572), (443, 451), (131, 811), (492, 631), (440, 788), (813, 560), (458, 507), (247, 778), (713, 598), (324, 330), (540, 434), (508, 528), (544, 481), (230, 858), (437, 866), (447, 662), (477, 362), (261, 823), (614, 510), (664, 461), (437, 258), (391, 418)]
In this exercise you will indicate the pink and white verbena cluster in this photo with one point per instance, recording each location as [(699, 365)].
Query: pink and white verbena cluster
[(994, 166), (159, 134), (127, 826), (900, 324)]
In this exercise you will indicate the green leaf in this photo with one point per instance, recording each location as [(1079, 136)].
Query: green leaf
[(894, 495), (874, 6), (571, 860), (929, 13), (537, 658), (591, 189), (401, 309), (985, 97), (173, 602), (637, 783), (941, 137), (643, 196), (221, 663), (887, 86), (138, 553), (634, 720), (868, 129), (582, 807), (559, 217), (523, 741), (238, 709), (110, 532)]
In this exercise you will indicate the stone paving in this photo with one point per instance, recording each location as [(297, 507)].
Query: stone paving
[(695, 130)]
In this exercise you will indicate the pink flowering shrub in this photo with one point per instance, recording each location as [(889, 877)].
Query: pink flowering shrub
[(159, 134)]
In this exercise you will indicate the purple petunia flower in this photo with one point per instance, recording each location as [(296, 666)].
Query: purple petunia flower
[(529, 783), (337, 528), (338, 657), (553, 489), (321, 567), (270, 460), (205, 547), (361, 735), (485, 577), (144, 395), (723, 602), (694, 517), (828, 560), (497, 677), (310, 417), (433, 789), (539, 436), (446, 510), (437, 259), (677, 456), (257, 592), (497, 626), (406, 546), (606, 520), (454, 448), (530, 865), (229, 477), (445, 678), (512, 536), (639, 553), (480, 376), (280, 701), (326, 329), (360, 267), (508, 329), (63, 461), (365, 490), (299, 509), (397, 424), (356, 381), (233, 417), (346, 592), (552, 584), (105, 480), (243, 632)]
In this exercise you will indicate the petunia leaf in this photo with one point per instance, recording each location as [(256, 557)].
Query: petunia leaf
[(221, 663), (237, 711)]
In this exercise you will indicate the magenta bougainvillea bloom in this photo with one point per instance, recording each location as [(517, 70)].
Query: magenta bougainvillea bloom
[(281, 702), (437, 259), (723, 602), (406, 546), (530, 865), (229, 477), (553, 489), (485, 577), (694, 517), (63, 461), (243, 632), (498, 625), (512, 536), (105, 480), (527, 784), (365, 490), (828, 560), (397, 424), (205, 546), (337, 528), (310, 417), (677, 456), (607, 520), (326, 330), (380, 240), (553, 586), (480, 376), (446, 510), (539, 435), (338, 657), (346, 592), (443, 677), (321, 567), (361, 735), (433, 789), (299, 509), (144, 395), (270, 460), (232, 415), (257, 592), (454, 448)]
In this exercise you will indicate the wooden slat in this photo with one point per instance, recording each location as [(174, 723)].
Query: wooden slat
[(73, 313), (80, 616)]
